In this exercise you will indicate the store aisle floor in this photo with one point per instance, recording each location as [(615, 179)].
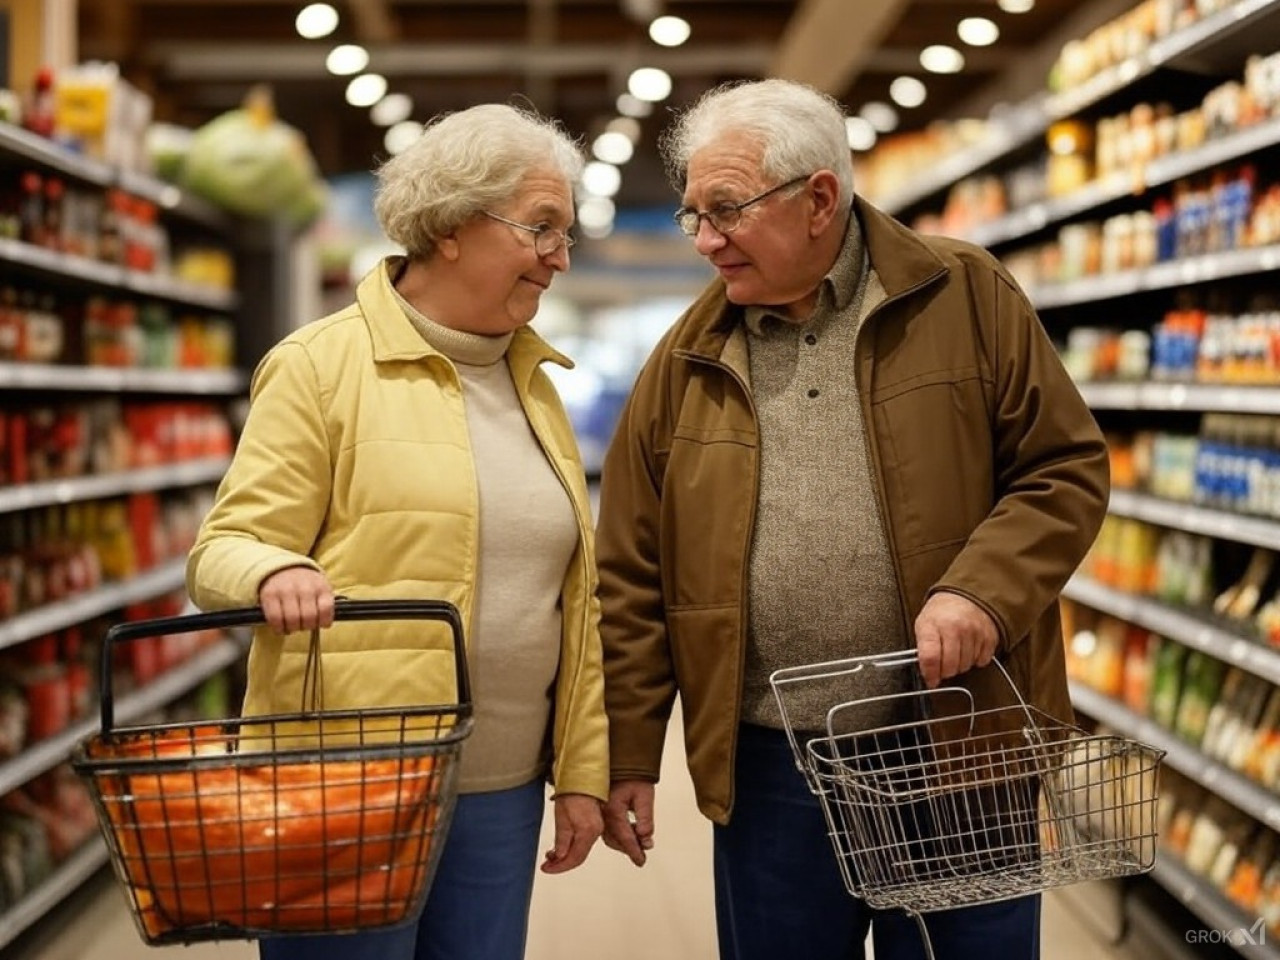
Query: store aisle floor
[(606, 910)]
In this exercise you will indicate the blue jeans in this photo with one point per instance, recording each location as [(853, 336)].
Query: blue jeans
[(779, 892), (478, 906)]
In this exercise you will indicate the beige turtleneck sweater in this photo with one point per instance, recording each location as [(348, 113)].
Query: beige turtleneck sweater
[(527, 537)]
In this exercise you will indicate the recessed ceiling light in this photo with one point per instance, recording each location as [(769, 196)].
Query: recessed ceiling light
[(391, 109), (612, 147), (595, 213), (366, 89), (1016, 6), (401, 136), (940, 58), (630, 106), (669, 31), (601, 179), (908, 92), (978, 31), (316, 20), (346, 59), (629, 127), (880, 115), (862, 135), (649, 83)]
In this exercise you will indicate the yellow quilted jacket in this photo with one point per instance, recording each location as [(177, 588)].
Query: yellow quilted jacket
[(356, 459)]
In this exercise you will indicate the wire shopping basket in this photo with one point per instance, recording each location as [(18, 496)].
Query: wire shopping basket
[(962, 807), (310, 822)]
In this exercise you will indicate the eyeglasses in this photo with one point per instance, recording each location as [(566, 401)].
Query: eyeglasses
[(725, 217), (546, 238)]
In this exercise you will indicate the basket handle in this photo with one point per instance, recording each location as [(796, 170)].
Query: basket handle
[(440, 610)]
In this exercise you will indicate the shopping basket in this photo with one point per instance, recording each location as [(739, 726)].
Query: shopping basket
[(940, 808), (311, 822)]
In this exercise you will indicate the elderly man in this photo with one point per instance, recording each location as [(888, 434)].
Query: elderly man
[(857, 440)]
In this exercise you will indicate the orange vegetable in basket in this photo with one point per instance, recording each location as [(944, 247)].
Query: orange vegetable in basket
[(296, 846)]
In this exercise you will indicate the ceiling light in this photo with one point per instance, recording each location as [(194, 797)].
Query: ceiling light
[(880, 115), (940, 58), (862, 135), (316, 20), (391, 109), (1016, 6), (601, 179), (401, 136), (629, 127), (907, 92), (978, 31), (366, 89), (649, 83), (612, 148), (346, 59), (669, 31), (630, 106), (595, 213)]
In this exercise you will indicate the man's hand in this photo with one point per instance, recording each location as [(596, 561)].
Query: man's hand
[(296, 598), (579, 824), (628, 819), (953, 634)]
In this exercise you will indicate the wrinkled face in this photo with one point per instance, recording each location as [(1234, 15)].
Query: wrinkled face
[(500, 263), (763, 261)]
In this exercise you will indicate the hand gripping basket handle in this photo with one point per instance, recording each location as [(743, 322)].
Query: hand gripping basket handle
[(440, 610)]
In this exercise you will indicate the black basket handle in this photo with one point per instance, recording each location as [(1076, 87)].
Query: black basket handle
[(441, 610)]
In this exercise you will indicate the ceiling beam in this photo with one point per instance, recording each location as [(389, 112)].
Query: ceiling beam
[(187, 60), (826, 44)]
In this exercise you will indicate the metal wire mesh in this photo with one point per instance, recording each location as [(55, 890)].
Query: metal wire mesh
[(971, 807), (251, 827)]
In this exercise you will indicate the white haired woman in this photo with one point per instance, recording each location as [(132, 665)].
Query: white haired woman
[(410, 446)]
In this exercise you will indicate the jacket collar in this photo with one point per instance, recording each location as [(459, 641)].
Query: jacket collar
[(395, 338), (900, 257)]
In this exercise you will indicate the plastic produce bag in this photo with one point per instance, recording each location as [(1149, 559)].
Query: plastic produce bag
[(251, 163)]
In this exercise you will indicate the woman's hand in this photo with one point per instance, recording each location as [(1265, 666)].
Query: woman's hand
[(579, 824), (296, 598)]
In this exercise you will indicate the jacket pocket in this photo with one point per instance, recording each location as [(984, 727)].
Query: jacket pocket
[(934, 437)]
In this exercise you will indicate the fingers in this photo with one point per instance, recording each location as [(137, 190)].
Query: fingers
[(579, 824), (296, 598), (953, 635), (628, 819)]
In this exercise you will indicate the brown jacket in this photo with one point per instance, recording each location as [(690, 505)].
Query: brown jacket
[(991, 474)]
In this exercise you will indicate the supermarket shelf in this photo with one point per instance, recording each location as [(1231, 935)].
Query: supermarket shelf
[(1190, 47), (27, 496), (37, 376), (40, 150), (175, 201), (1250, 797), (1216, 912), (109, 275), (55, 616), (52, 751), (1161, 276), (1208, 397), (1026, 123), (1180, 625), (68, 875), (23, 143), (1223, 524), (1036, 216)]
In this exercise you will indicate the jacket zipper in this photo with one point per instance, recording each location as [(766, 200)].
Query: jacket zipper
[(743, 609)]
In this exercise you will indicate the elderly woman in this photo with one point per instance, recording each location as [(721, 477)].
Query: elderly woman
[(410, 446)]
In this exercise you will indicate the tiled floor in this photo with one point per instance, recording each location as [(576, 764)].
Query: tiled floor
[(606, 910)]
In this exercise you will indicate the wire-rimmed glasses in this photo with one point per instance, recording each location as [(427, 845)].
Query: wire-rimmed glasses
[(546, 238), (725, 217)]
